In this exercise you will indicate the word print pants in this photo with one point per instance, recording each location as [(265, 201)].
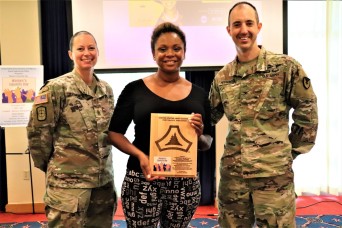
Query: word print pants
[(171, 203)]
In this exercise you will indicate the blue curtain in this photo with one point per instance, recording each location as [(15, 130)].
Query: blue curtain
[(56, 30), (206, 159)]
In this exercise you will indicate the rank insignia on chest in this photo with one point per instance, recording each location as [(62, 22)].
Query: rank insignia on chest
[(41, 113)]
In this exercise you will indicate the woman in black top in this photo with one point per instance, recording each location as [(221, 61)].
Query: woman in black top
[(148, 200)]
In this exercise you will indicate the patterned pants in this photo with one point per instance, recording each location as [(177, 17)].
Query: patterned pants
[(170, 203), (265, 202)]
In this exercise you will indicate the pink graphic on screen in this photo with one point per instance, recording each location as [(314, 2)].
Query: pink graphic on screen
[(128, 26)]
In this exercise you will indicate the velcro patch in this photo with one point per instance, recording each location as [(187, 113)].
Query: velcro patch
[(41, 98), (41, 113), (306, 82)]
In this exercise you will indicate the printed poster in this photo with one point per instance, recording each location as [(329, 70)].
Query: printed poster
[(18, 86), (173, 146)]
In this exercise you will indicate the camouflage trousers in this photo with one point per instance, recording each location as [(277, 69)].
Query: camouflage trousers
[(78, 208), (257, 202)]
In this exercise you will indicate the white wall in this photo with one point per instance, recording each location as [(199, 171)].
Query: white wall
[(20, 45), (20, 32), (21, 172), (315, 41)]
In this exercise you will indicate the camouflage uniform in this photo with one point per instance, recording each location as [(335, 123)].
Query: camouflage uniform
[(67, 134), (259, 151)]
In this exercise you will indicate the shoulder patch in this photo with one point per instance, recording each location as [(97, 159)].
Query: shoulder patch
[(41, 113), (306, 82), (41, 98)]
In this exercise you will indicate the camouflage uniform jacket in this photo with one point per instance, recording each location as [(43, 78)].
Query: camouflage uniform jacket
[(67, 132), (257, 101)]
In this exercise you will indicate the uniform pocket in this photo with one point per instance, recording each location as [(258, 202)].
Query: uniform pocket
[(67, 200), (80, 114)]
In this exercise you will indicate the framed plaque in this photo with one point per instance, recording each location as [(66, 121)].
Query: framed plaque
[(173, 146)]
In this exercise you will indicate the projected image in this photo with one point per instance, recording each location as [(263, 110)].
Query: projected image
[(123, 29), (180, 12), (170, 12), (128, 26)]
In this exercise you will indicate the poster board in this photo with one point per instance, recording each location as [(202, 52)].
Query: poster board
[(173, 146), (19, 86)]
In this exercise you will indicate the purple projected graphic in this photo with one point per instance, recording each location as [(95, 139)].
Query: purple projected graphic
[(128, 26)]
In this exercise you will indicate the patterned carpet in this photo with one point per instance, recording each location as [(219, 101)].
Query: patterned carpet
[(313, 221)]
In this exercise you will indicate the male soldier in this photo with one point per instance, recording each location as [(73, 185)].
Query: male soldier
[(67, 134), (256, 92)]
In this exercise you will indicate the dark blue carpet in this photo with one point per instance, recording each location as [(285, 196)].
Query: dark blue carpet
[(310, 221)]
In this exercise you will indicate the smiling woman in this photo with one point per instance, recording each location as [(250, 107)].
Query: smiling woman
[(83, 52), (67, 139), (164, 91), (118, 82)]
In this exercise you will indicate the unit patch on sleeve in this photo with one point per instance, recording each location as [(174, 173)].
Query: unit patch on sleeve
[(306, 82), (41, 113)]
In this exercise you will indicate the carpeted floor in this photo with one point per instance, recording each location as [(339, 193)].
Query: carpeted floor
[(312, 212), (314, 221)]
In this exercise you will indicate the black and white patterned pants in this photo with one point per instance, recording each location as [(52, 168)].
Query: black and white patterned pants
[(171, 203)]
